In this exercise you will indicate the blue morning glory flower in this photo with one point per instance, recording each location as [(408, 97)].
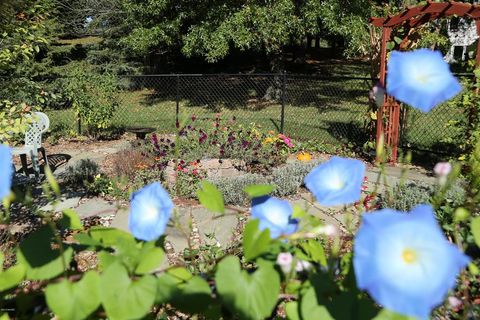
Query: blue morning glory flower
[(150, 209), (404, 261), (420, 78), (274, 214), (6, 171), (336, 181)]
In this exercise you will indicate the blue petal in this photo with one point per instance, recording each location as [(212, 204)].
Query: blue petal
[(420, 78), (274, 214), (6, 171), (411, 289), (150, 210), (336, 181)]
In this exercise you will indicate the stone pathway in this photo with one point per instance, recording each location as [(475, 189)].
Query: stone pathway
[(211, 228)]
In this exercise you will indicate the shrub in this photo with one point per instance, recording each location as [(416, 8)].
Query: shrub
[(128, 162), (287, 179), (84, 171), (232, 187), (93, 97), (408, 196)]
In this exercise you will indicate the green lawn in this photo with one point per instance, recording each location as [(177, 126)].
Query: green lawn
[(331, 111)]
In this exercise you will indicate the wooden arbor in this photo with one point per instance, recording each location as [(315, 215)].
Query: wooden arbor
[(388, 115)]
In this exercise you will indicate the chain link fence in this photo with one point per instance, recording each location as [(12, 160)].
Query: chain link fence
[(332, 110)]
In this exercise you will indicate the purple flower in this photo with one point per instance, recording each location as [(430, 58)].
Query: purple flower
[(336, 181), (274, 214), (404, 260), (150, 209), (6, 171), (420, 78)]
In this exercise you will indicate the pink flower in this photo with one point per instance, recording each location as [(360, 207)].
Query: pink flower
[(284, 260), (442, 169), (454, 302)]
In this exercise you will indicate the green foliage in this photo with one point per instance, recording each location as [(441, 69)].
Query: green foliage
[(83, 172), (255, 242), (289, 178), (36, 254), (210, 197), (465, 123), (23, 32), (118, 290), (232, 187), (212, 29), (259, 190), (251, 296), (11, 277), (475, 226), (84, 297), (13, 120), (93, 96)]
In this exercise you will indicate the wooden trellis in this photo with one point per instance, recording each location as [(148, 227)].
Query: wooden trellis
[(388, 115)]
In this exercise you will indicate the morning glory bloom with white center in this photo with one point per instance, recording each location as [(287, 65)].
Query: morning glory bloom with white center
[(150, 209), (420, 78), (274, 214), (404, 261), (336, 181), (6, 171)]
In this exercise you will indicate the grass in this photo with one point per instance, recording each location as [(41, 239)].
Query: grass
[(329, 110)]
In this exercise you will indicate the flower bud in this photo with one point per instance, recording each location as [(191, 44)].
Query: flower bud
[(302, 265), (461, 214), (442, 169), (454, 302), (284, 261)]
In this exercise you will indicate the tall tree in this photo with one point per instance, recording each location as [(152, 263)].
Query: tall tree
[(212, 28)]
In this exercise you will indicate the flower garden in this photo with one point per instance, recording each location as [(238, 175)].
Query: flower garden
[(401, 251)]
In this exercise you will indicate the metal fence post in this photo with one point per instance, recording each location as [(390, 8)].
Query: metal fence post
[(79, 125), (177, 98), (282, 114)]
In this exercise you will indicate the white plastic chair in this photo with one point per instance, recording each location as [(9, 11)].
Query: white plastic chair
[(33, 143)]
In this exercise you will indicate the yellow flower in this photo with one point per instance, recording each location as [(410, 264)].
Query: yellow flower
[(267, 140)]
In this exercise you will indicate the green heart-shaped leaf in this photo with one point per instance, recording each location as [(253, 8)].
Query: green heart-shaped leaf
[(11, 277), (258, 190), (255, 242), (109, 237), (475, 226), (74, 300), (36, 254), (210, 197), (150, 258), (70, 220), (123, 298), (194, 296), (251, 296)]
